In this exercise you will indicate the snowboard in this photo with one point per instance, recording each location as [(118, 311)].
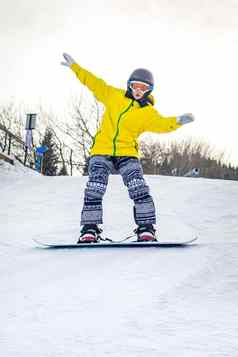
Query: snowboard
[(155, 244)]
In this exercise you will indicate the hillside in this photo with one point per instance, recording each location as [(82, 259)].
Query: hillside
[(148, 302)]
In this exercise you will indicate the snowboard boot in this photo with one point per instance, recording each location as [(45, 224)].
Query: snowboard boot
[(145, 233), (90, 233)]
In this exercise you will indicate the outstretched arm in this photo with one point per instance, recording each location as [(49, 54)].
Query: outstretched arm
[(159, 124), (98, 86)]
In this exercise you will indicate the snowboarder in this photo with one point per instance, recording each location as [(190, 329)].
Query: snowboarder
[(128, 113)]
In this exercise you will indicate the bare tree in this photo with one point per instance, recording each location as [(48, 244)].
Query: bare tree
[(74, 136), (85, 122), (152, 155), (12, 131), (50, 121), (180, 157), (79, 130), (11, 117)]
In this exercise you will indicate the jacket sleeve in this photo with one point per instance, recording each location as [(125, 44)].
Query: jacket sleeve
[(157, 123), (98, 86)]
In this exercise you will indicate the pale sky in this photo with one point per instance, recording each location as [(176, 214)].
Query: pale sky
[(191, 46)]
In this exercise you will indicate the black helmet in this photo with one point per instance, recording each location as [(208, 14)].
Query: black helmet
[(142, 75)]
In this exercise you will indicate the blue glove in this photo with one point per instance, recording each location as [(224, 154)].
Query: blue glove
[(185, 118), (68, 60)]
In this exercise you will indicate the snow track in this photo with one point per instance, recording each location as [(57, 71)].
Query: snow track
[(176, 302)]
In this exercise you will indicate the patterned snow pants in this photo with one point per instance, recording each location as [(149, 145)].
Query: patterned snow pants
[(100, 167)]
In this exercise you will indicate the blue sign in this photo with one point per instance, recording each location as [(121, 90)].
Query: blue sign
[(42, 149)]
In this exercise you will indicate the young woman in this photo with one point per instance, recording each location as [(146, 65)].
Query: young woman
[(128, 113)]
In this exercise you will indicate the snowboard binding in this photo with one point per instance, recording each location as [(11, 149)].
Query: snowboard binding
[(145, 233), (90, 233)]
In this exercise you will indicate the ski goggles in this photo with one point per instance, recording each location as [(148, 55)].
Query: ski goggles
[(140, 86)]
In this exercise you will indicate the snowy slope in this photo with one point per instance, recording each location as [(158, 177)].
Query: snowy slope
[(150, 302)]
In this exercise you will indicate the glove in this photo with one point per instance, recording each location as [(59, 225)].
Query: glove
[(68, 60), (185, 118)]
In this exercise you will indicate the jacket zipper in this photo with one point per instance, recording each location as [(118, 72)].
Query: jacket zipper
[(117, 131)]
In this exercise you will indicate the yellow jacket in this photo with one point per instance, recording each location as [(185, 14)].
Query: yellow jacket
[(124, 120)]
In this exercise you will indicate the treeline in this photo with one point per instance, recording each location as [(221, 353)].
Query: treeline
[(181, 158), (69, 145)]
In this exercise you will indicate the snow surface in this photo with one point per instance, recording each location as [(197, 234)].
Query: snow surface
[(135, 302)]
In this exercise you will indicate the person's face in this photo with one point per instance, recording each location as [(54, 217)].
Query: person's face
[(139, 89)]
